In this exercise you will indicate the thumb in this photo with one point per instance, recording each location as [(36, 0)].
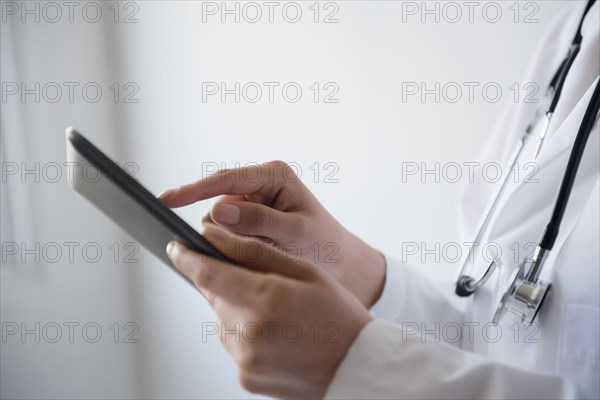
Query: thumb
[(257, 256), (256, 219)]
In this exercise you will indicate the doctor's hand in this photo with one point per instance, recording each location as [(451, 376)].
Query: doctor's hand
[(293, 323), (269, 202)]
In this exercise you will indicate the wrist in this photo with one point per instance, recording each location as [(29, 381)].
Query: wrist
[(364, 272), (375, 270)]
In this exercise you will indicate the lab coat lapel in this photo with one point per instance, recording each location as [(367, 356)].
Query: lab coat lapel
[(526, 200)]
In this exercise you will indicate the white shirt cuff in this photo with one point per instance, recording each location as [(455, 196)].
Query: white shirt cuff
[(409, 297)]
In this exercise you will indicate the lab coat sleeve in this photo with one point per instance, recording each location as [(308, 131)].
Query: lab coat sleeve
[(386, 362), (412, 301)]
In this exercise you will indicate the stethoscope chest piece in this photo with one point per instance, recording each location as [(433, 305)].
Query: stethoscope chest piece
[(525, 293)]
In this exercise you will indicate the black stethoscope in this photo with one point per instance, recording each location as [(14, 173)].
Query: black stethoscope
[(525, 293)]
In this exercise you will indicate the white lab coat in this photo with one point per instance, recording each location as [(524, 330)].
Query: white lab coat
[(560, 357)]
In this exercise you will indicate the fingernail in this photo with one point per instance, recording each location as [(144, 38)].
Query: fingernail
[(166, 194), (170, 246), (226, 213)]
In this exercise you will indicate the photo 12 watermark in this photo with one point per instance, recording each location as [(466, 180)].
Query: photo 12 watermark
[(453, 92), (289, 171), (468, 332), (468, 172), (270, 332), (69, 332), (261, 251), (289, 92), (69, 252), (270, 12), (470, 12), (56, 12), (69, 92), (30, 172), (455, 252)]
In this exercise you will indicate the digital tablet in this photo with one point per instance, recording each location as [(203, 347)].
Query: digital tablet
[(127, 203)]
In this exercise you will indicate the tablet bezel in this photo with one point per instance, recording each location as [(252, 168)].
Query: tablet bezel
[(180, 229)]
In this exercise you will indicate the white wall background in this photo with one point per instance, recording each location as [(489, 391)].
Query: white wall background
[(172, 135)]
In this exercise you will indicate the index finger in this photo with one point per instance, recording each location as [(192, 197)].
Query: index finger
[(242, 181)]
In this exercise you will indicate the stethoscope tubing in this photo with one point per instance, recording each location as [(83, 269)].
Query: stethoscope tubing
[(466, 285)]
